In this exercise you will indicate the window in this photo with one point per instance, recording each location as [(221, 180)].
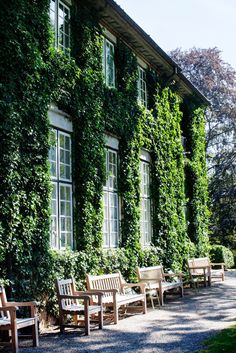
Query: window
[(60, 18), (108, 63), (111, 204), (146, 228), (142, 86), (61, 199)]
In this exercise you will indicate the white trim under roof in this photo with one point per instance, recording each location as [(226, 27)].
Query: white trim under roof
[(67, 2), (59, 119), (141, 63), (145, 156), (109, 35), (111, 142)]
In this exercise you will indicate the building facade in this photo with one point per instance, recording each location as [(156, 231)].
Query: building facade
[(93, 160)]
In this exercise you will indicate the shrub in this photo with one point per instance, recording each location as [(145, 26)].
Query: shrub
[(234, 253), (219, 253)]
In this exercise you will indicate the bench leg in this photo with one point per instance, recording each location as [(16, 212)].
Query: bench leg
[(116, 313), (145, 304), (14, 339), (87, 321), (35, 333), (61, 322), (161, 296), (100, 318)]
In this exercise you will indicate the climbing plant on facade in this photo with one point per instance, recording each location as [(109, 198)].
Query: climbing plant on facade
[(34, 75)]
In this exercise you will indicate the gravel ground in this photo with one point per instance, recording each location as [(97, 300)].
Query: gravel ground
[(181, 326)]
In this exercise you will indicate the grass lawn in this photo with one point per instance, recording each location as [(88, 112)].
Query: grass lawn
[(223, 342)]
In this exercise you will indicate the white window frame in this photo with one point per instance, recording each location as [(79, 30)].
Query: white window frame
[(58, 182), (142, 86), (110, 193), (105, 60), (145, 200), (55, 19), (69, 238)]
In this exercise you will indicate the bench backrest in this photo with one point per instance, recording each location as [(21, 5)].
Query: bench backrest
[(3, 302), (104, 282), (150, 274), (198, 262), (65, 287)]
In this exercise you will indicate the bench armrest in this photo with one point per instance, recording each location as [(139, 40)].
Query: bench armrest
[(173, 274), (130, 285), (89, 292), (217, 264), (94, 291), (99, 294), (32, 305), (82, 297), (148, 279), (21, 304), (8, 308)]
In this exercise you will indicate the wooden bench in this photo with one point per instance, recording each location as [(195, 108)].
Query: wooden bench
[(155, 279), (74, 303), (114, 289), (201, 269), (9, 321)]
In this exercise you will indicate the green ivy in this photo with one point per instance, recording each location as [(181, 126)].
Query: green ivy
[(34, 75), (168, 180), (198, 183)]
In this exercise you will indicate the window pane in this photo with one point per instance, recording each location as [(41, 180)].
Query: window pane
[(106, 220), (53, 13), (63, 26), (61, 199), (66, 215), (142, 87), (108, 63), (113, 211), (112, 170), (52, 156), (54, 217), (60, 17), (145, 225), (110, 201), (65, 156)]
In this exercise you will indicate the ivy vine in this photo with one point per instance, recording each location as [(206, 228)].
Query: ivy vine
[(34, 75)]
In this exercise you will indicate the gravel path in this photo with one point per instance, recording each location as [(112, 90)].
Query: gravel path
[(180, 326)]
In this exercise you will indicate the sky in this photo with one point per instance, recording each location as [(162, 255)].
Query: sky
[(187, 23)]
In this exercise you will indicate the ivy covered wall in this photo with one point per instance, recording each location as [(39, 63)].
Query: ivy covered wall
[(34, 75)]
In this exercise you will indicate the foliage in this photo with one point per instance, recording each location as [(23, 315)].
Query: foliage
[(25, 59), (88, 127), (168, 180), (217, 80), (34, 75), (223, 206), (197, 188), (220, 253)]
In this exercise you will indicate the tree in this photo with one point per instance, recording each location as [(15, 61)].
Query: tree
[(217, 81)]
